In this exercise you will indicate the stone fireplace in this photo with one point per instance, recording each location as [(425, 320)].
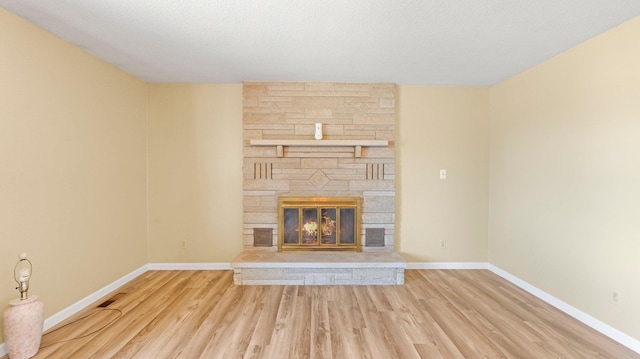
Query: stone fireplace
[(284, 164), (354, 159)]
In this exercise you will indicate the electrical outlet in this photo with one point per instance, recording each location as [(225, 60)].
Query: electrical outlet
[(615, 297), (443, 244), (183, 244), (443, 174)]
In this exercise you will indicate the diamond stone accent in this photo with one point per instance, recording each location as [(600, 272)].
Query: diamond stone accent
[(319, 179)]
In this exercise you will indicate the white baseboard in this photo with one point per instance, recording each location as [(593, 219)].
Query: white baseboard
[(585, 318), (91, 298), (447, 265), (189, 266), (83, 303)]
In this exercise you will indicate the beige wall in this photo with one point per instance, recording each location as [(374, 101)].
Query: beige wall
[(195, 172), (72, 166), (442, 128), (565, 176), (195, 157)]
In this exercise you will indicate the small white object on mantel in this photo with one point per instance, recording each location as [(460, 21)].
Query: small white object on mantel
[(318, 134)]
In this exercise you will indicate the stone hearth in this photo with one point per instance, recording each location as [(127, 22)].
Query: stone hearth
[(318, 268)]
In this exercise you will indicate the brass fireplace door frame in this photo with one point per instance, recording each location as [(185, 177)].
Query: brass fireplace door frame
[(319, 202)]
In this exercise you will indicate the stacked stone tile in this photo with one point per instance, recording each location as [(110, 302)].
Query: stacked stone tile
[(288, 111)]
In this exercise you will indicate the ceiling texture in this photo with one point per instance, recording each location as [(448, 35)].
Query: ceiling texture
[(408, 42)]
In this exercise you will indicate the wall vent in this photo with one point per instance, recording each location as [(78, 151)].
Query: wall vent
[(110, 301), (262, 237), (374, 237)]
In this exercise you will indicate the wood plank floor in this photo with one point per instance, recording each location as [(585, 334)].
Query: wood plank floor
[(436, 314)]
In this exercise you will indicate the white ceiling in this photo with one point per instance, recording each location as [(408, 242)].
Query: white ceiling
[(409, 42)]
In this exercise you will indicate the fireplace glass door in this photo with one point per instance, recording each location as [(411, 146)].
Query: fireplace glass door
[(319, 224)]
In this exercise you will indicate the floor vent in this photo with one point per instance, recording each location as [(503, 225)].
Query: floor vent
[(110, 301)]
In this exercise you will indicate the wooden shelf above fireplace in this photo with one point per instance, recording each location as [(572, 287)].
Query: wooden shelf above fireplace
[(356, 144)]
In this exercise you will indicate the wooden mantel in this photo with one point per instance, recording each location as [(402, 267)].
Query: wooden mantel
[(356, 144)]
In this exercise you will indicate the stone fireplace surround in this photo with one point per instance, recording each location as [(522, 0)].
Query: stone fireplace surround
[(355, 158)]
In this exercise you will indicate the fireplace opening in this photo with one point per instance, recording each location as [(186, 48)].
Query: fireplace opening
[(319, 223)]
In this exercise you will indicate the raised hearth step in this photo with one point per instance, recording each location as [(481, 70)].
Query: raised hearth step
[(318, 268)]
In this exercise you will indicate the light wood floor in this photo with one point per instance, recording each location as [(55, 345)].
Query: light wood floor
[(436, 314)]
